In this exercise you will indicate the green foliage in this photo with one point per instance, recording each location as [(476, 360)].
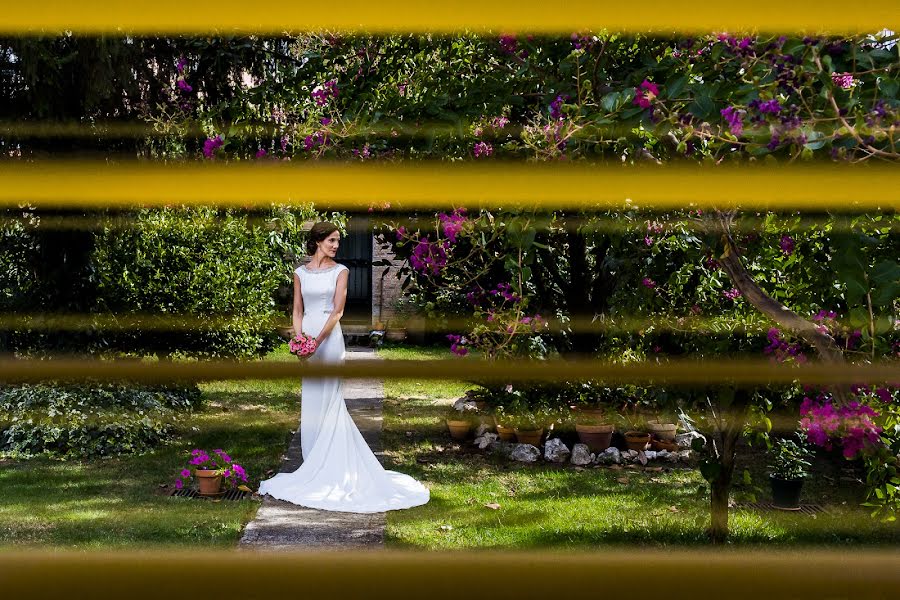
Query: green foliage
[(789, 459), (208, 268), (89, 420)]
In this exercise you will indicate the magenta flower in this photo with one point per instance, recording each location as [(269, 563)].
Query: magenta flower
[(185, 472), (734, 117), (648, 283), (645, 93), (178, 484), (211, 145), (183, 86), (181, 64), (787, 245), (483, 149), (429, 256), (261, 153), (452, 224), (508, 43), (732, 294), (843, 80)]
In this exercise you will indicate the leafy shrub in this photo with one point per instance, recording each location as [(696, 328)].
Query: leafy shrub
[(89, 420)]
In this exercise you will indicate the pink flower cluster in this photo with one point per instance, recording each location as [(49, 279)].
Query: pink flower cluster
[(483, 149), (211, 145), (780, 349), (499, 122), (851, 425), (843, 80), (504, 290), (457, 344), (303, 345), (322, 93), (231, 471), (314, 140), (453, 223), (787, 245), (508, 43), (534, 323), (648, 283), (732, 294), (645, 93), (428, 256), (735, 118)]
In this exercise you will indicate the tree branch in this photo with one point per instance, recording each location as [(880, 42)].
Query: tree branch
[(730, 261)]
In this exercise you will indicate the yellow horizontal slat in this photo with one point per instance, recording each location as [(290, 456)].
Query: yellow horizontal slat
[(719, 371), (677, 573), (203, 16), (338, 186)]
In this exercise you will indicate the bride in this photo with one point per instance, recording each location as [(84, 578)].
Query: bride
[(339, 471)]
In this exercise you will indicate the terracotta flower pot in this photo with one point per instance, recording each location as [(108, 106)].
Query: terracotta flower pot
[(459, 430), (664, 445), (529, 436), (663, 431), (209, 481), (596, 437), (507, 434), (637, 440)]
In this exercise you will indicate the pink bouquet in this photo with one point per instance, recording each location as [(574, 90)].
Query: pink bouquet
[(303, 345)]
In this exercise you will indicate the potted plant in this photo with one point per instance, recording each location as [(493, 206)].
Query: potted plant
[(505, 427), (594, 427), (212, 470), (529, 426), (404, 308), (460, 422), (662, 428), (636, 435), (789, 468)]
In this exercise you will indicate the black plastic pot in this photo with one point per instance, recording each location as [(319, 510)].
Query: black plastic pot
[(786, 493)]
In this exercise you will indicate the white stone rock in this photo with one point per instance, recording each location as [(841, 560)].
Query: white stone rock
[(684, 455), (465, 405), (481, 430), (641, 457), (632, 454), (581, 455), (556, 451), (486, 440), (609, 456), (662, 454), (651, 454), (684, 440), (525, 453)]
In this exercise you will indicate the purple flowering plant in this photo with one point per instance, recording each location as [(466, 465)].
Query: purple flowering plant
[(218, 460)]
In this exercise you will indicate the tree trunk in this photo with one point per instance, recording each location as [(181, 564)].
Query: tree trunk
[(720, 487)]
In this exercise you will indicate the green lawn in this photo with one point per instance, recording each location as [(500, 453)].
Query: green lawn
[(549, 506), (118, 502)]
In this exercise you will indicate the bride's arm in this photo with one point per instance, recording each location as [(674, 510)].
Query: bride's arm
[(297, 322), (340, 298)]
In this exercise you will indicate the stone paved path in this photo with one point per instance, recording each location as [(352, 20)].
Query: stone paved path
[(280, 525)]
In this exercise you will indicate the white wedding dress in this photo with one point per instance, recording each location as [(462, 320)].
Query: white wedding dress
[(339, 470)]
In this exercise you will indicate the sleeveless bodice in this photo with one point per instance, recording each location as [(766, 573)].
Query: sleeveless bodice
[(317, 288)]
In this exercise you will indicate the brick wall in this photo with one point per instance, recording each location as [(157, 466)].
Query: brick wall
[(386, 289)]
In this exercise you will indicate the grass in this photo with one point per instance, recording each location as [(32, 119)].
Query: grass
[(548, 506), (118, 502)]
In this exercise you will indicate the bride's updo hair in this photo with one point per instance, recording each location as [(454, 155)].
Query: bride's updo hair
[(318, 233)]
